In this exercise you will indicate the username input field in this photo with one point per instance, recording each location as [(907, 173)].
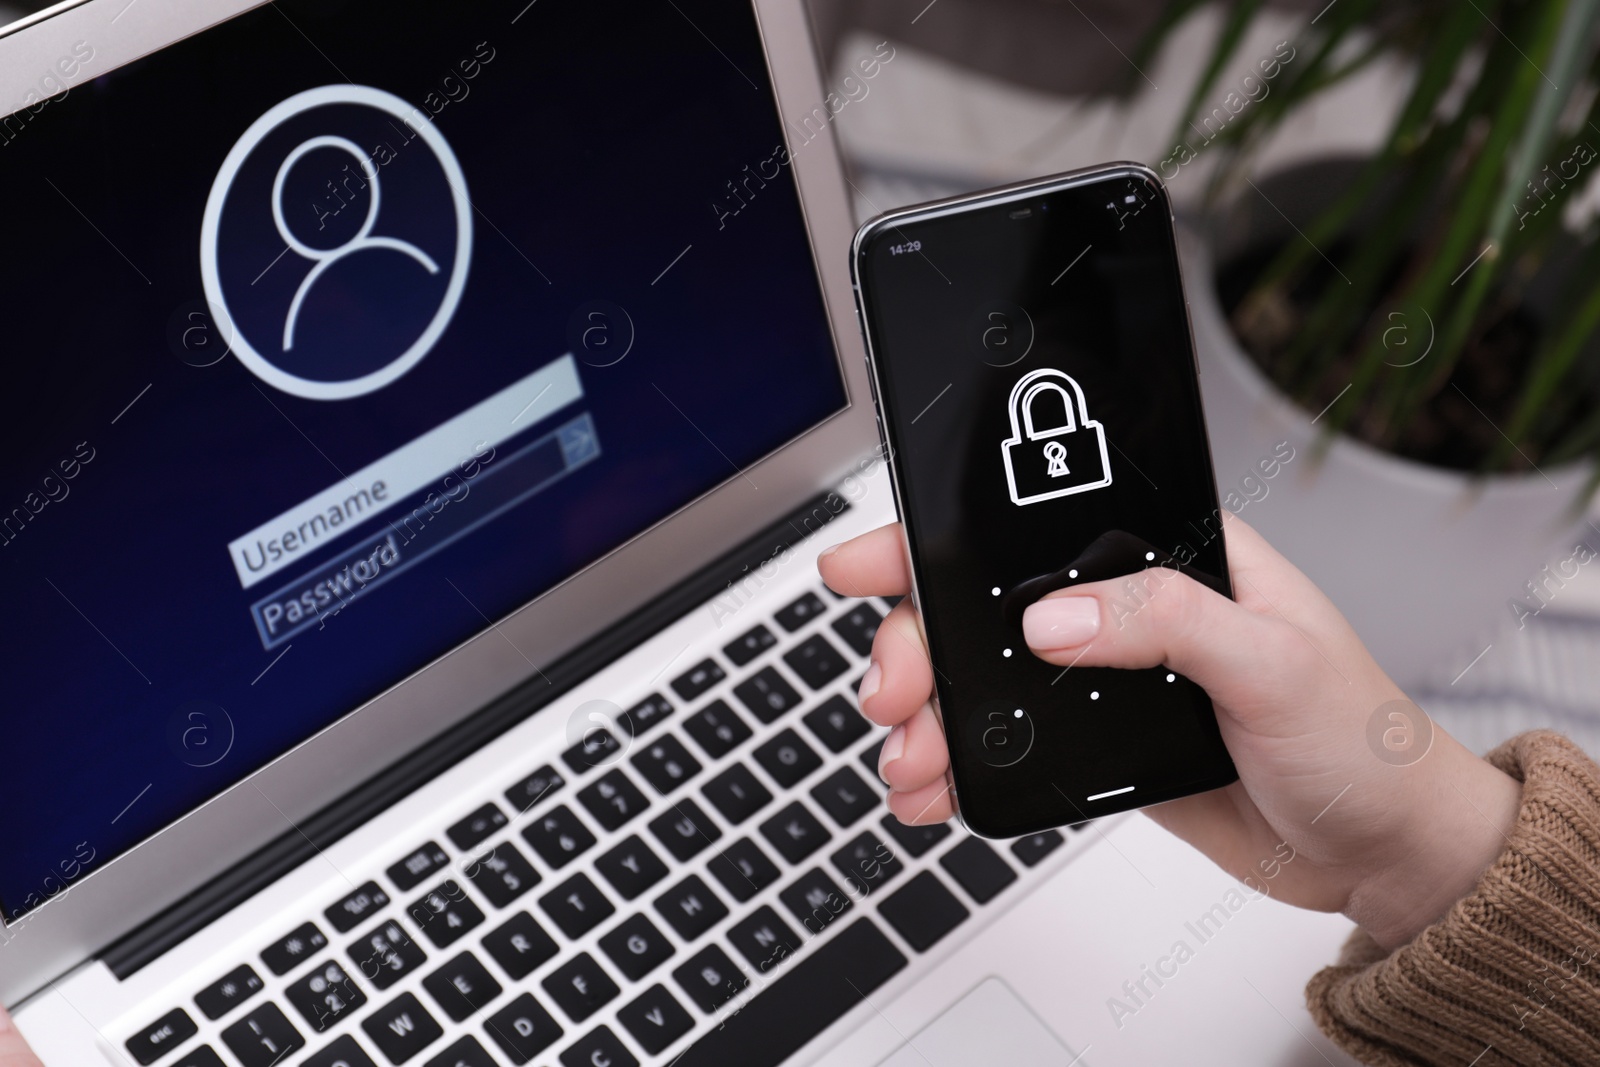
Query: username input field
[(300, 531)]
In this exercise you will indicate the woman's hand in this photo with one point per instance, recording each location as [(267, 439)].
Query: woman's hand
[(1295, 690)]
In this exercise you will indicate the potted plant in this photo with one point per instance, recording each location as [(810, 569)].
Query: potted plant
[(1419, 325)]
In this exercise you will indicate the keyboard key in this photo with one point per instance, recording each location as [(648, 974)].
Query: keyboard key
[(711, 979), (914, 841), (736, 793), (519, 945), (717, 729), (869, 756), (978, 869), (477, 828), (580, 987), (1032, 850), (206, 1056), (534, 788), (743, 869), (800, 612), (599, 1046), (631, 868), (867, 863), (795, 832), (666, 764), (162, 1036), (445, 914), (643, 716), (421, 864), (655, 1019), (402, 1028), (343, 1052), (636, 947), (691, 908), (502, 874), (764, 939), (923, 911), (767, 1029), (857, 626), (685, 830), (748, 645), (299, 945), (349, 912), (386, 955), (464, 1053), (263, 1038), (766, 694), (558, 837), (815, 900), (228, 992), (612, 799), (693, 682), (816, 661), (837, 723), (461, 987), (598, 748), (892, 601), (523, 1029), (325, 996), (577, 906), (845, 797), (787, 758)]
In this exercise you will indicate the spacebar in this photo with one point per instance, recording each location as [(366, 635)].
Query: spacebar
[(777, 1023)]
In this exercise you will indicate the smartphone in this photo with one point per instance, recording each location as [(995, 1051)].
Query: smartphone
[(1039, 404)]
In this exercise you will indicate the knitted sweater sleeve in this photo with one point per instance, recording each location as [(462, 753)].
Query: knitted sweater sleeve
[(1511, 973)]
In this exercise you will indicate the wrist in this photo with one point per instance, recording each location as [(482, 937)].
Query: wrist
[(1456, 819)]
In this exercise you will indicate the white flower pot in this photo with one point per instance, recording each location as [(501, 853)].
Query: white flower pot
[(1423, 561)]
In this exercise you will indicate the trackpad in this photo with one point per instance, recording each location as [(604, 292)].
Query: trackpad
[(988, 1025)]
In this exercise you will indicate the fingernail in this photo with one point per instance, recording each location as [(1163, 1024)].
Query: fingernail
[(830, 550), (1061, 622), (869, 683), (894, 746)]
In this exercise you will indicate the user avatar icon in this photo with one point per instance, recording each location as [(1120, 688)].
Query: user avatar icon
[(336, 242), (361, 241)]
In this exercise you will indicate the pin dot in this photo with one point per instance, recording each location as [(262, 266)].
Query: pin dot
[(1072, 573), (1094, 695), (995, 591), (1149, 556), (1006, 653), (1172, 677)]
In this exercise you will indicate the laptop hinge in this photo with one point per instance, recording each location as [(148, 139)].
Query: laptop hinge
[(363, 803)]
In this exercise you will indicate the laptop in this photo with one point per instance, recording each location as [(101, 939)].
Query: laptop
[(422, 424)]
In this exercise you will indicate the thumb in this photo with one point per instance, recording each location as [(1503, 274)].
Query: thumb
[(14, 1051), (1156, 617)]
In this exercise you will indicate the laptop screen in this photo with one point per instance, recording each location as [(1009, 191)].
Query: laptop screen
[(338, 331)]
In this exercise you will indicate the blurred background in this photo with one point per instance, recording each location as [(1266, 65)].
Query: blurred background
[(1388, 225)]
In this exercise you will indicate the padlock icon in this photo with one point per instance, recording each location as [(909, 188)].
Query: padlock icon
[(1057, 459)]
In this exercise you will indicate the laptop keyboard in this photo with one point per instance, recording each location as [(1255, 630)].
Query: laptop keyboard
[(712, 881)]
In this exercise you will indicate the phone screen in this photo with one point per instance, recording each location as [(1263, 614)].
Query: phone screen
[(1040, 404)]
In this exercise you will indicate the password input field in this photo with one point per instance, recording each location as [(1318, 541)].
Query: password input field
[(300, 531)]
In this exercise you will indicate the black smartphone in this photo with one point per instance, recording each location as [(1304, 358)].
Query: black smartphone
[(1039, 403)]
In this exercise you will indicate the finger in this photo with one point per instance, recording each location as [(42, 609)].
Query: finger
[(900, 679), (914, 754), (14, 1051), (922, 807), (873, 564), (1161, 617)]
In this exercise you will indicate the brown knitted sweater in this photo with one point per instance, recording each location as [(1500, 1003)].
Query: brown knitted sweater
[(1510, 974)]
